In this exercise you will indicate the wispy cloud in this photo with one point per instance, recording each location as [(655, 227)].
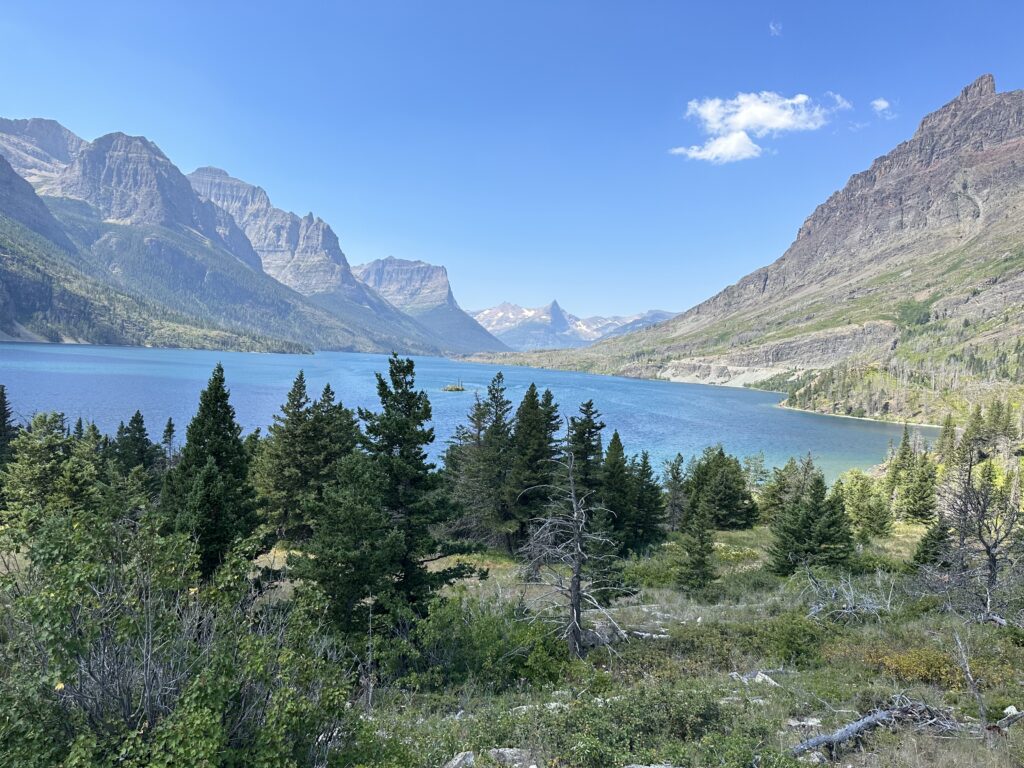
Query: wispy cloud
[(882, 108), (775, 28), (730, 123)]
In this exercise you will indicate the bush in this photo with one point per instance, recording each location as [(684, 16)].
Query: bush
[(492, 643)]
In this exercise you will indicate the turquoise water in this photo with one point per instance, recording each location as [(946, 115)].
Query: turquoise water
[(107, 384)]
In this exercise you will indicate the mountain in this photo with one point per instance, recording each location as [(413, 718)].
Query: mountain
[(304, 254), (36, 148), (422, 290), (551, 327), (44, 296), (900, 294), (138, 227)]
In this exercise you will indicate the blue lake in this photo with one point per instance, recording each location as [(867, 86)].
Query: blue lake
[(107, 385)]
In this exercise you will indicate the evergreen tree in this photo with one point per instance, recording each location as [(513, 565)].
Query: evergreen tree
[(718, 478), (167, 440), (777, 493), (38, 455), (534, 454), (356, 553), (583, 441), (866, 507), (616, 495), (132, 447), (916, 498), (208, 493), (480, 461), (974, 440), (900, 464), (674, 482), (697, 569), (812, 529), (945, 448), (409, 490), (284, 467), (646, 524), (934, 546), (333, 435)]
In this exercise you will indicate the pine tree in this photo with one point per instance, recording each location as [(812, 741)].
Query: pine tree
[(333, 435), (38, 456), (534, 454), (167, 440), (409, 492), (916, 497), (480, 462), (674, 482), (812, 529), (867, 509), (284, 467), (945, 448), (777, 492), (208, 493), (900, 465), (584, 443), (697, 569), (718, 478), (8, 428), (974, 440), (617, 496), (647, 523), (356, 553), (934, 546), (132, 447)]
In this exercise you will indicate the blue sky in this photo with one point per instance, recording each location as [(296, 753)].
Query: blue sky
[(525, 145)]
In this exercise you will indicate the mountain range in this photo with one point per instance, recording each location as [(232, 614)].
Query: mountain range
[(551, 327), (203, 260), (902, 292)]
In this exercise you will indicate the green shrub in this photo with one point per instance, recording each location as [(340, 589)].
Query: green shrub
[(492, 643)]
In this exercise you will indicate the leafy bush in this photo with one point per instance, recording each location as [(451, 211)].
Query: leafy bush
[(490, 642)]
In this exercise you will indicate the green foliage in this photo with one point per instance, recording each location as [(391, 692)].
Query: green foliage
[(813, 529), (717, 480), (300, 457), (697, 569), (490, 643), (585, 444), (865, 504), (208, 494)]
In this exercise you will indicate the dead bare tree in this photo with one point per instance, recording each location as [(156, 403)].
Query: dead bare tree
[(570, 558), (981, 568)]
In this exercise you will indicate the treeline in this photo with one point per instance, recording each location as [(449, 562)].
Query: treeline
[(221, 599)]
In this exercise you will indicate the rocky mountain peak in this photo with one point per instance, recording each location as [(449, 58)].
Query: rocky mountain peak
[(37, 148), (412, 286), (303, 253), (983, 86)]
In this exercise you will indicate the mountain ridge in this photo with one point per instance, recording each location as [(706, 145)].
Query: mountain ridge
[(913, 271)]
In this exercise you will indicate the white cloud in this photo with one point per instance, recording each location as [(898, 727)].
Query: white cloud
[(730, 123), (882, 108), (775, 28), (722, 149)]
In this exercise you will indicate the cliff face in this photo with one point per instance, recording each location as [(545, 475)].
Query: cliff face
[(303, 253), (423, 291), (36, 148)]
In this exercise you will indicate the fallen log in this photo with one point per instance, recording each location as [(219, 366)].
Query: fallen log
[(910, 711)]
